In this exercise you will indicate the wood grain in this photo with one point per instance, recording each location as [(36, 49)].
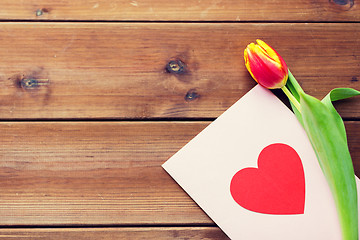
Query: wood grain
[(96, 173), (161, 233), (93, 173), (189, 10), (118, 70)]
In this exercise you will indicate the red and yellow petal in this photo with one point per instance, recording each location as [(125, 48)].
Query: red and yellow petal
[(265, 65)]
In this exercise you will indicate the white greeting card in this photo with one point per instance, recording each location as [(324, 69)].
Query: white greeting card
[(254, 172)]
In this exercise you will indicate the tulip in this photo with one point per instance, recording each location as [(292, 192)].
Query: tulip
[(323, 125), (267, 67)]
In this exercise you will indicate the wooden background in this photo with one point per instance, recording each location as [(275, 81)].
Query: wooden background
[(127, 84)]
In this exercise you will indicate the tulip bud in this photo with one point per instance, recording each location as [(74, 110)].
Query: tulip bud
[(265, 65)]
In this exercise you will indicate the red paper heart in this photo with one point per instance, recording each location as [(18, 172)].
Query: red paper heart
[(277, 186)]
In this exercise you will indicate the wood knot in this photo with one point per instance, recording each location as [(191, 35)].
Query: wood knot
[(41, 11), (176, 66), (344, 4), (191, 95), (31, 83)]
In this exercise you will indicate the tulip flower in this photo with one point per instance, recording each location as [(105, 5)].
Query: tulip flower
[(323, 125), (267, 67)]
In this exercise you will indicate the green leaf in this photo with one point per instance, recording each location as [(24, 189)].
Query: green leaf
[(326, 134), (295, 86), (338, 94), (295, 89)]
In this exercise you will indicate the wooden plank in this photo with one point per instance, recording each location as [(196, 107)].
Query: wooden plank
[(92, 173), (79, 173), (118, 70), (161, 233), (198, 10)]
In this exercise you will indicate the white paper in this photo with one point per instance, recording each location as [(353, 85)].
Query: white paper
[(205, 166)]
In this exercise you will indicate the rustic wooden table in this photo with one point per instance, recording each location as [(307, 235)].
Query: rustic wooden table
[(96, 94)]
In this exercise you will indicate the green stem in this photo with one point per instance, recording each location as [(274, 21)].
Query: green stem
[(291, 97)]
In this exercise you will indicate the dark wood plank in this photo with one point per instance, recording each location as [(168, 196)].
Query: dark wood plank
[(353, 133), (198, 10), (92, 173), (114, 233), (110, 70), (78, 173)]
